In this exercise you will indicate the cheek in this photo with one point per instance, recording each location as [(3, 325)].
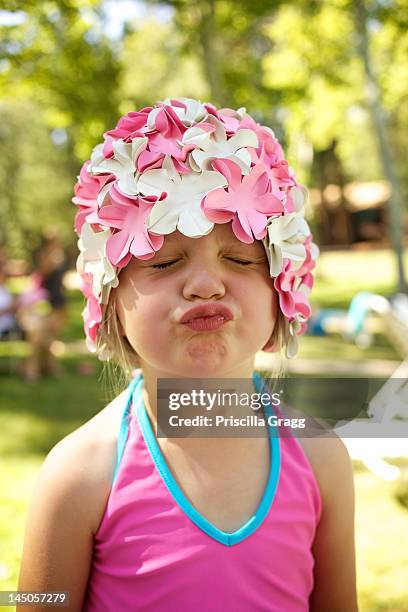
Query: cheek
[(261, 300), (140, 314)]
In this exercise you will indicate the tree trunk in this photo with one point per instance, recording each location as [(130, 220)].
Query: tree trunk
[(378, 119)]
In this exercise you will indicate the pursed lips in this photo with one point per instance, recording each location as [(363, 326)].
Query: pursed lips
[(207, 310)]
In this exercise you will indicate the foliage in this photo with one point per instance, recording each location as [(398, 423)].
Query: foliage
[(60, 57), (35, 178), (59, 76), (156, 65)]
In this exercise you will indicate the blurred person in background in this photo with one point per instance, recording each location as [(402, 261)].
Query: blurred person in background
[(43, 309), (52, 266)]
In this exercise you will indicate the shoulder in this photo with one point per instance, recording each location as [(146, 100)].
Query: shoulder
[(326, 453), (80, 467), (331, 463), (334, 542)]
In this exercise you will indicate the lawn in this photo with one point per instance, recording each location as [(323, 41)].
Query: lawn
[(342, 274), (381, 535), (34, 417)]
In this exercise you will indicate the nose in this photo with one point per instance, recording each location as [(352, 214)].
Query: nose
[(204, 281)]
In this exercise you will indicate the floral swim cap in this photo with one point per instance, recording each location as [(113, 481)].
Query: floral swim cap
[(184, 165)]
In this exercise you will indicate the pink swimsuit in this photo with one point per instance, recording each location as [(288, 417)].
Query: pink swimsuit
[(154, 552)]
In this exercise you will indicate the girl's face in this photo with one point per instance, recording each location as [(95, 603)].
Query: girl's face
[(154, 296)]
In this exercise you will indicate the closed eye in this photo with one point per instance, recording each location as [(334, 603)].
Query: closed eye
[(243, 262), (165, 264)]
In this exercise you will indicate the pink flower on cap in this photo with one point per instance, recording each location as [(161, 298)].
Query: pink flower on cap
[(166, 132), (92, 317), (293, 300), (128, 127), (128, 214), (246, 201), (86, 191)]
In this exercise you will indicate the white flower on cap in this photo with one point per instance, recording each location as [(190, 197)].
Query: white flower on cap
[(193, 111), (299, 195), (97, 157), (123, 164), (212, 145), (292, 345), (181, 208), (93, 260), (285, 238)]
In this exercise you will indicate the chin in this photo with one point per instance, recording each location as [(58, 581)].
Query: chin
[(201, 366), (210, 354)]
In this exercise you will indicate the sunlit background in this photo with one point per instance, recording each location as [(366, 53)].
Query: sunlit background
[(330, 77)]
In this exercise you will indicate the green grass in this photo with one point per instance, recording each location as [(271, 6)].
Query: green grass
[(17, 476), (382, 555), (339, 275), (334, 347), (34, 417)]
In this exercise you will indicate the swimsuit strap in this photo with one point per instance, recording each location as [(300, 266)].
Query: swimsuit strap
[(124, 426)]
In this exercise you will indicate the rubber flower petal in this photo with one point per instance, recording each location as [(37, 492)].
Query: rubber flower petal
[(129, 126), (164, 131), (123, 163), (293, 295), (211, 144), (180, 209), (305, 270), (97, 155), (285, 238), (188, 110), (93, 258), (292, 292), (270, 154), (247, 201), (92, 316), (296, 327), (297, 198), (128, 215), (86, 193), (231, 119), (262, 132)]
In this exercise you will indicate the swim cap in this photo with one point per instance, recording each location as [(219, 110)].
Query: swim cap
[(184, 165)]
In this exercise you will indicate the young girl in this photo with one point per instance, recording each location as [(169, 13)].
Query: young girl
[(195, 255)]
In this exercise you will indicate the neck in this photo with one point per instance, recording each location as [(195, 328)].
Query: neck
[(242, 372)]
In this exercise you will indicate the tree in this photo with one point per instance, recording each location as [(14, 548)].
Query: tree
[(59, 76), (379, 123)]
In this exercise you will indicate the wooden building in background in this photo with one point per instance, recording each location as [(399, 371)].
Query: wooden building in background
[(353, 212), (345, 213)]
